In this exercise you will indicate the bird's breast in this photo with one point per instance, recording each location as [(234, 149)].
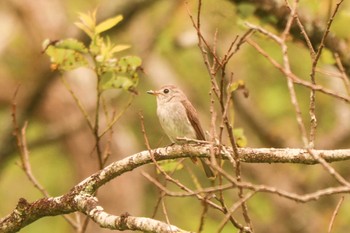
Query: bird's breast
[(174, 121)]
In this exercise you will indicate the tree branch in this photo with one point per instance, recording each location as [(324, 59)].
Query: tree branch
[(314, 30), (80, 197)]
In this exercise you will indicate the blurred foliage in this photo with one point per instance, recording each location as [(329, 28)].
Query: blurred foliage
[(111, 71), (162, 35)]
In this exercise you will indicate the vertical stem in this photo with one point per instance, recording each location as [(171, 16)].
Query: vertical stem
[(97, 138), (96, 126), (286, 65)]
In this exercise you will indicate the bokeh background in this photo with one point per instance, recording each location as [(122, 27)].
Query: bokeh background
[(161, 33)]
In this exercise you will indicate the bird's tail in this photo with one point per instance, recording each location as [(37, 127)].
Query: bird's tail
[(208, 171)]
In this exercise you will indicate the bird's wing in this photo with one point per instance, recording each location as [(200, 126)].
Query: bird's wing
[(193, 118)]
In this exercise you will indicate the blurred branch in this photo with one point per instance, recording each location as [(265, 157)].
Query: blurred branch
[(81, 199), (314, 30), (22, 146), (291, 75), (46, 76)]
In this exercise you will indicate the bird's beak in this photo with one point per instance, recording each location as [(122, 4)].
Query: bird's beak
[(152, 92)]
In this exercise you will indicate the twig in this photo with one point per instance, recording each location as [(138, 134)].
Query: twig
[(97, 124), (343, 75), (335, 214), (312, 75), (202, 217), (189, 192), (295, 78), (287, 68), (78, 103), (117, 117), (22, 146), (220, 93), (234, 207), (303, 31), (24, 155), (165, 211), (329, 168)]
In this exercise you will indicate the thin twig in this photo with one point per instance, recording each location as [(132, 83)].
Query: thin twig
[(286, 65), (233, 208), (303, 32), (343, 75), (78, 103), (313, 119), (329, 169), (188, 192), (22, 146), (117, 117), (165, 212), (220, 93), (202, 217), (294, 77), (24, 155), (97, 125), (335, 214)]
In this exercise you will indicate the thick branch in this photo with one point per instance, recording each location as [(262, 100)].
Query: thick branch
[(80, 197), (88, 205), (247, 155)]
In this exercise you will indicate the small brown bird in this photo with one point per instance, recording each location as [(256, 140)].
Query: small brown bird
[(178, 117)]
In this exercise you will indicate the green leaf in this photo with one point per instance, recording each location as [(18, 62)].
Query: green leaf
[(129, 63), (71, 44), (240, 137), (66, 54), (120, 75), (111, 80), (85, 29), (170, 165), (236, 85), (108, 24)]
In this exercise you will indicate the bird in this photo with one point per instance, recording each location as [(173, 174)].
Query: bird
[(178, 118)]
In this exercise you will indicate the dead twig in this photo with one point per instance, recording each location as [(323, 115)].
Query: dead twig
[(330, 226)]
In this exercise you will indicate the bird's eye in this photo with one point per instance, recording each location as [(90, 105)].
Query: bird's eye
[(166, 91)]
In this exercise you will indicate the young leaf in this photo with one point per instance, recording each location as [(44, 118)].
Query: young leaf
[(108, 24), (85, 29), (88, 19), (88, 23), (170, 165), (239, 84), (119, 48)]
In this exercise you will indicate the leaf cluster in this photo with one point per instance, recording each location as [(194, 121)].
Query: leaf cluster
[(100, 55)]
